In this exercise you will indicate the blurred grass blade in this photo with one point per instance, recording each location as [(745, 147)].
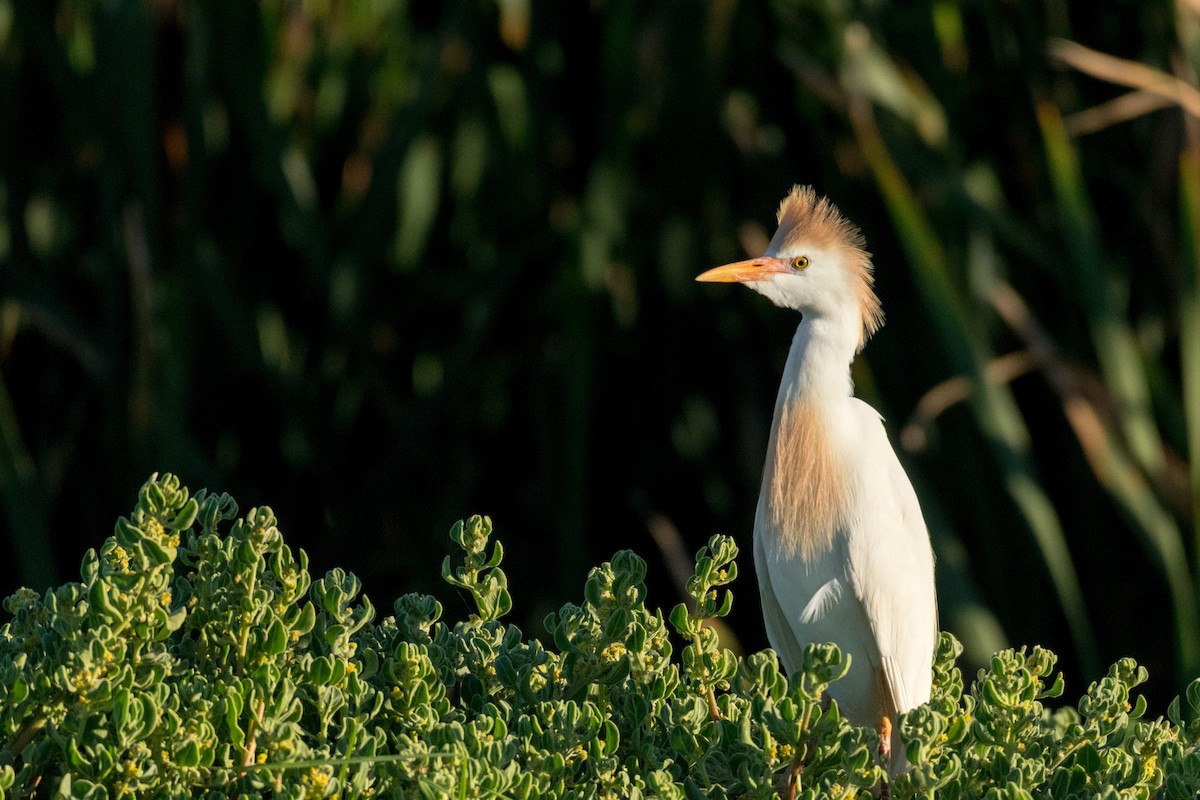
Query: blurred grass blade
[(1125, 375), (993, 405), (30, 533), (1098, 287), (874, 73), (418, 197), (1115, 471), (1189, 328), (235, 29)]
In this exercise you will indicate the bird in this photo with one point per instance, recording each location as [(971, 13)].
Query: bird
[(841, 548)]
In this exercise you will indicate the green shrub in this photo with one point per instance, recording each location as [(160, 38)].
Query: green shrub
[(192, 660)]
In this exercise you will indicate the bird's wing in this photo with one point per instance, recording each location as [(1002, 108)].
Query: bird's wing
[(811, 602), (891, 571), (779, 630)]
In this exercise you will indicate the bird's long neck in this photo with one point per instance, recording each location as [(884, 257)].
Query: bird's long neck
[(818, 365), (805, 484)]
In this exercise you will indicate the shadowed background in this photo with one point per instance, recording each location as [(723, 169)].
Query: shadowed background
[(383, 265)]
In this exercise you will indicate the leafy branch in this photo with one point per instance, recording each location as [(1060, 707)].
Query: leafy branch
[(707, 665), (198, 656)]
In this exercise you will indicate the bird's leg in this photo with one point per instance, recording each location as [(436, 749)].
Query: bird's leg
[(885, 753)]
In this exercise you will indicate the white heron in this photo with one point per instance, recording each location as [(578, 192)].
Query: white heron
[(840, 545)]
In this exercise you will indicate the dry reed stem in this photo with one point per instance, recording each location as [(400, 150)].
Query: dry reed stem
[(1124, 72)]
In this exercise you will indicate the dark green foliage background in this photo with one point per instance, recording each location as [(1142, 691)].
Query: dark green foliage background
[(386, 264)]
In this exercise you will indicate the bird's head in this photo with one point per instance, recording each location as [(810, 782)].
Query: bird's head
[(816, 263)]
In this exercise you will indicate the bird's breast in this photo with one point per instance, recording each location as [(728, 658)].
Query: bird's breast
[(806, 485)]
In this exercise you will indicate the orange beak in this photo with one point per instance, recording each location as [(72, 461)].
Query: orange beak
[(763, 268)]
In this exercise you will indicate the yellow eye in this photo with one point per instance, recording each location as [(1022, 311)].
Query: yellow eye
[(799, 263)]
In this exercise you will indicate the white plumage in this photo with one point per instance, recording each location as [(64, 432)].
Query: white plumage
[(840, 546)]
